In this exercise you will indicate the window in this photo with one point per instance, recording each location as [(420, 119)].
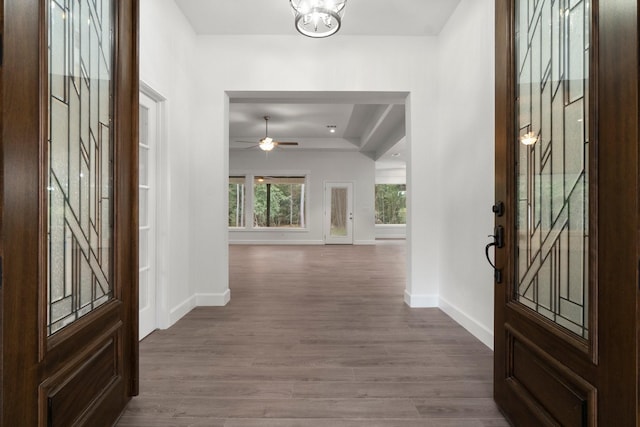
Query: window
[(278, 201), (391, 204), (236, 201)]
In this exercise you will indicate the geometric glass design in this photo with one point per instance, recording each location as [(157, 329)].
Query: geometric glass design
[(552, 84), (80, 158)]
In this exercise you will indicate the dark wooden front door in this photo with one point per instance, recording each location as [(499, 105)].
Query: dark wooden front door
[(567, 173), (69, 85)]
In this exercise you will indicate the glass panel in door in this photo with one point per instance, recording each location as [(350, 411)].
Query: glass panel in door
[(339, 212), (552, 89), (338, 217), (80, 167)]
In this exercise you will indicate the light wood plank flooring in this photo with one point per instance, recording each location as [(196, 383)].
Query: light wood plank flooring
[(315, 336)]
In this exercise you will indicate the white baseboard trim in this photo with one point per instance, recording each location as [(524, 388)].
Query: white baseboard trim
[(213, 300), (420, 301), (364, 242), (276, 242), (197, 300), (179, 311), (391, 236), (477, 329)]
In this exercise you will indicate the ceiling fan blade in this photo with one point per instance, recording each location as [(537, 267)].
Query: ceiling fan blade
[(245, 142), (286, 143), (251, 148)]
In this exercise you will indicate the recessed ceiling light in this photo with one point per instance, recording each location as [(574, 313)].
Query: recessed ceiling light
[(332, 128), (395, 155)]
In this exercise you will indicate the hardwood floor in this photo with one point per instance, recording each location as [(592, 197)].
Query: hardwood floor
[(315, 336)]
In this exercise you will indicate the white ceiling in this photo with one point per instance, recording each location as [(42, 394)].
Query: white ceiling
[(370, 123), (362, 17)]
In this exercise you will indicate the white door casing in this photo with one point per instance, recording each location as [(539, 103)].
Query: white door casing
[(147, 210)]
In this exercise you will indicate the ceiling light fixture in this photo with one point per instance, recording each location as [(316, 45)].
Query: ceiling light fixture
[(318, 18), (529, 138), (266, 143), (332, 128)]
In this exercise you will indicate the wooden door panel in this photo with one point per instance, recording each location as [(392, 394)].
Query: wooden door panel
[(547, 385), (84, 372), (567, 349), (70, 394), (20, 222), (549, 372)]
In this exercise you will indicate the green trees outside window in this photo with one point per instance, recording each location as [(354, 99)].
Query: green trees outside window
[(279, 201), (236, 201), (391, 204)]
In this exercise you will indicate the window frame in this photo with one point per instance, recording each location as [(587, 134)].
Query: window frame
[(375, 207), (250, 193), (244, 200)]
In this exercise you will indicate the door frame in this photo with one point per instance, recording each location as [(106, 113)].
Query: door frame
[(163, 207), (148, 315), (349, 239), (613, 366)]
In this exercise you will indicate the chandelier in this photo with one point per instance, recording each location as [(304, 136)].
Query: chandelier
[(318, 18)]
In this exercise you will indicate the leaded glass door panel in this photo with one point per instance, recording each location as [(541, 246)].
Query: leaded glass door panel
[(69, 224), (80, 160), (552, 160), (567, 173)]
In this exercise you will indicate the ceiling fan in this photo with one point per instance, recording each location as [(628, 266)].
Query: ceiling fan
[(267, 143)]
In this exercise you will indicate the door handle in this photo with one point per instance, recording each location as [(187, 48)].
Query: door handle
[(498, 241), (497, 273), (498, 236), (486, 252)]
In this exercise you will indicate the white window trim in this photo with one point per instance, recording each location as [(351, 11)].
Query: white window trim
[(248, 200)]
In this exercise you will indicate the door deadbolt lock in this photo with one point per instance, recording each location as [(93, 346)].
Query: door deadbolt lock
[(498, 209)]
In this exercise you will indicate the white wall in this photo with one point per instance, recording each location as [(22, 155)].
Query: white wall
[(294, 63), (319, 167), (164, 66), (391, 231), (391, 176), (466, 154)]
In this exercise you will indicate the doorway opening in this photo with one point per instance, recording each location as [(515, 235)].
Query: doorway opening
[(334, 137)]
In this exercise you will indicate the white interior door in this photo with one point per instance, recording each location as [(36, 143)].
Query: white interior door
[(338, 213), (147, 208)]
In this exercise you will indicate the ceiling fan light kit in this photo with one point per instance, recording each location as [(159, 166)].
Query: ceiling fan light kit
[(318, 18), (267, 143)]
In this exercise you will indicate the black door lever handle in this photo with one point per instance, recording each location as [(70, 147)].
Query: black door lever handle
[(486, 252), (497, 273)]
